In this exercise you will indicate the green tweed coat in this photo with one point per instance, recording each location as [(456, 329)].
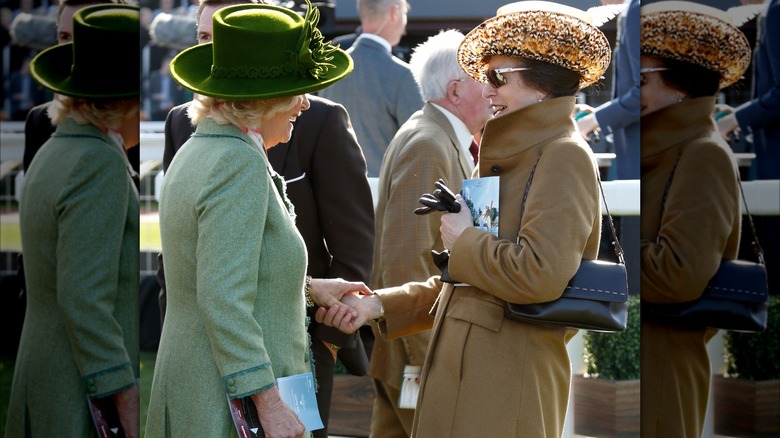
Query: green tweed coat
[(79, 225), (235, 267)]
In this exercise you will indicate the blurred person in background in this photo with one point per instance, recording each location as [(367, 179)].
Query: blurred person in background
[(381, 94)]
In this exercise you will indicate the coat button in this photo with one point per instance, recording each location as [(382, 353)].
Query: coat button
[(232, 389), (495, 168), (231, 382)]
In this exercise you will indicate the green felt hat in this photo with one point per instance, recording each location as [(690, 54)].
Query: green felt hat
[(260, 52), (102, 61)]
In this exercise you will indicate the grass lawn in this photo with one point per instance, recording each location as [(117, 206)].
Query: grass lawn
[(7, 374), (147, 372)]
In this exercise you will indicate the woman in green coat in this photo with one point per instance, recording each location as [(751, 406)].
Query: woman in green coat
[(79, 225), (235, 263)]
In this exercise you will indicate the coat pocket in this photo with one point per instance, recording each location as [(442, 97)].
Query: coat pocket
[(475, 311)]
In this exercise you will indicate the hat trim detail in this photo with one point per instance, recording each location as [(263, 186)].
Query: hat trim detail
[(315, 55), (245, 72)]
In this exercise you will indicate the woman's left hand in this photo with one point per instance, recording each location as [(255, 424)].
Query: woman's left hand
[(453, 224), (326, 292)]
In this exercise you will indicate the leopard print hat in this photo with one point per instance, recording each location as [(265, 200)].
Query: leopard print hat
[(539, 30), (698, 34)]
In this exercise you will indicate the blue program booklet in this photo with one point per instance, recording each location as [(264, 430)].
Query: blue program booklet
[(481, 196), (297, 391)]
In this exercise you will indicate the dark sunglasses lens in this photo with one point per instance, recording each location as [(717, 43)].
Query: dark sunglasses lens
[(495, 78)]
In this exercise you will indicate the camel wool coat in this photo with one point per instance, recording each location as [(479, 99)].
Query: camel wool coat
[(485, 375), (235, 267), (680, 252)]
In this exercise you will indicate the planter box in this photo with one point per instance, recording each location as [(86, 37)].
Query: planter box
[(606, 408), (351, 405), (745, 408)]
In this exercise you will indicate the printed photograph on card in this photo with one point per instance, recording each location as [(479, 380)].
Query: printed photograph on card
[(481, 196)]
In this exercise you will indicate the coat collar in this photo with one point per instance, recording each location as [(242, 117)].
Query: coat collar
[(374, 41), (68, 126), (676, 124), (518, 131)]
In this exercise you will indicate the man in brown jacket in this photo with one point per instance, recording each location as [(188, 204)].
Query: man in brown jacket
[(434, 143)]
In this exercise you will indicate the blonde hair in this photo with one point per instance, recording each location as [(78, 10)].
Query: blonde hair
[(101, 113), (242, 113)]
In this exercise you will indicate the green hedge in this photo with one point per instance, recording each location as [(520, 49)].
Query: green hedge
[(756, 356), (615, 356)]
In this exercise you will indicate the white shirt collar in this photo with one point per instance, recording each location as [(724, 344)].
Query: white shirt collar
[(461, 132), (376, 38)]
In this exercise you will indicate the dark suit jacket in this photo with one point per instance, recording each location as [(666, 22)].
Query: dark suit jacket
[(326, 181)]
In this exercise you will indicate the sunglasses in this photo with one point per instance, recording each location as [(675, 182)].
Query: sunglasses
[(495, 76), (643, 70)]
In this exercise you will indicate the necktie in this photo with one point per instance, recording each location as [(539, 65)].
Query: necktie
[(474, 149)]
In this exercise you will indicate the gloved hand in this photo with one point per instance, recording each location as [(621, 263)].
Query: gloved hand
[(442, 199), (441, 260)]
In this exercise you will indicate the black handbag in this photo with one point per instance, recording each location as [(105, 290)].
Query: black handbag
[(595, 298), (735, 298)]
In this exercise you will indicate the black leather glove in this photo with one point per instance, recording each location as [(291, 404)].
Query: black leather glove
[(442, 199), (441, 260)]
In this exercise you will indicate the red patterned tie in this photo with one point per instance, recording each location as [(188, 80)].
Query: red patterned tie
[(474, 149)]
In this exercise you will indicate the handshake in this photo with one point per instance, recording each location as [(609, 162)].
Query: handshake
[(350, 305), (346, 305)]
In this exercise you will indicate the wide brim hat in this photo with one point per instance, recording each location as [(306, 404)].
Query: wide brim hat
[(260, 52), (102, 61), (544, 31), (697, 34)]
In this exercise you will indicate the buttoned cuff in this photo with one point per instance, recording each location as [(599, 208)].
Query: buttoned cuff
[(109, 381), (250, 381)]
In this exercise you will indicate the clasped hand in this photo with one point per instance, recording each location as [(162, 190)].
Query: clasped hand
[(343, 304), (353, 311)]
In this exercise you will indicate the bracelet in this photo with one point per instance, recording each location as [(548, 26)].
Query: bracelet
[(307, 292)]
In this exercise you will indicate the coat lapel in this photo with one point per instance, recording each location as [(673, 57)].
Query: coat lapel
[(437, 116)]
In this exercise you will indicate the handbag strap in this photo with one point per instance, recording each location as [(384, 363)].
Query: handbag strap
[(756, 245), (615, 241)]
